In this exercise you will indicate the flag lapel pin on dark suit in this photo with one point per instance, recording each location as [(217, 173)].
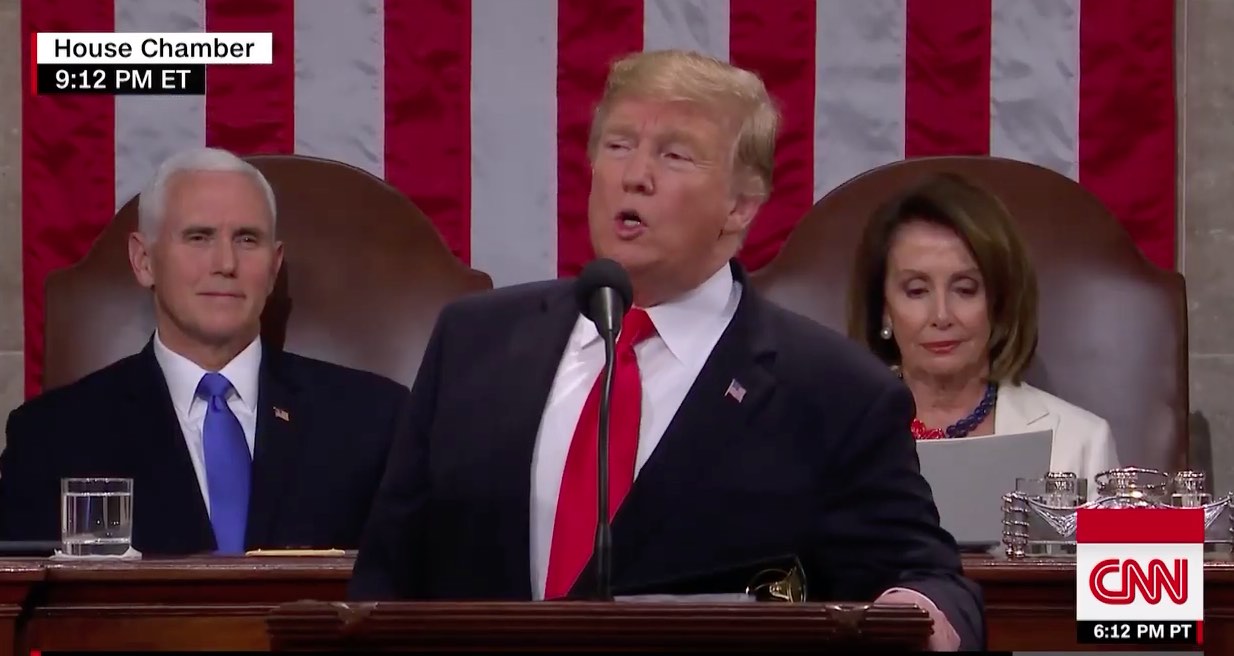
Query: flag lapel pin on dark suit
[(736, 391), (282, 414)]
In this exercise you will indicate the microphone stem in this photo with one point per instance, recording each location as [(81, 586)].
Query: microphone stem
[(604, 535)]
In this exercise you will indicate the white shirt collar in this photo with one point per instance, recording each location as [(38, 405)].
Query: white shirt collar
[(183, 375), (678, 322)]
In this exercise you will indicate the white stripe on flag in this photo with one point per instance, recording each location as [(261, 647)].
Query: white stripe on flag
[(1035, 83), (514, 139), (340, 86), (151, 128), (859, 97), (700, 25)]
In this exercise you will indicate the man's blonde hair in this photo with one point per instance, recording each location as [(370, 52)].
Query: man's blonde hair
[(679, 75)]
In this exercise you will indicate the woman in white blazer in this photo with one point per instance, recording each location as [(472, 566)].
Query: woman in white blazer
[(1082, 444), (944, 292)]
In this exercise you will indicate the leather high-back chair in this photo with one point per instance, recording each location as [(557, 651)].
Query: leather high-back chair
[(364, 277), (1113, 327)]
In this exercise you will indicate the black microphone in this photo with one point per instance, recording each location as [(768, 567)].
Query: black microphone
[(604, 294)]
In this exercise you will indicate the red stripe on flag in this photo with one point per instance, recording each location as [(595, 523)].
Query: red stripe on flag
[(1139, 525), (1127, 117), (776, 41), (251, 108), (428, 113), (68, 165), (947, 78), (590, 36)]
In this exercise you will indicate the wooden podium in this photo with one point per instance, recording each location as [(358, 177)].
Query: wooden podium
[(588, 626)]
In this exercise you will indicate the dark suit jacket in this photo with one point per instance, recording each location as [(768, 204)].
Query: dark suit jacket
[(816, 460), (314, 474)]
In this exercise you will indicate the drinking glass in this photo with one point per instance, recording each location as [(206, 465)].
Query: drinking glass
[(96, 516)]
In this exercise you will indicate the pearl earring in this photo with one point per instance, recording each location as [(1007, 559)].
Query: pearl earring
[(885, 333)]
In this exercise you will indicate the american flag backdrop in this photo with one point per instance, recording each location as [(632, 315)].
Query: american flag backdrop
[(478, 110)]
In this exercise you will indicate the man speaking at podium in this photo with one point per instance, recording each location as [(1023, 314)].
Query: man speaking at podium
[(739, 432)]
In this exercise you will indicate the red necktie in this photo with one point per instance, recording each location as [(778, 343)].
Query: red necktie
[(574, 527)]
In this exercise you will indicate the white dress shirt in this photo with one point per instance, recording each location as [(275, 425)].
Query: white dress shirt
[(686, 331), (183, 376)]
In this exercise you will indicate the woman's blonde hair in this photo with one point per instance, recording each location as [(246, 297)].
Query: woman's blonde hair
[(678, 75)]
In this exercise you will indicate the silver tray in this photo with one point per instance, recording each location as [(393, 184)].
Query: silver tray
[(1039, 517)]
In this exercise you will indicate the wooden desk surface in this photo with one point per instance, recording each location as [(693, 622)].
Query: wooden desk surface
[(17, 578), (174, 604), (196, 580), (221, 603)]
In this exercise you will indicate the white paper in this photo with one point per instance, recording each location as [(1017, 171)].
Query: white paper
[(131, 554), (715, 598)]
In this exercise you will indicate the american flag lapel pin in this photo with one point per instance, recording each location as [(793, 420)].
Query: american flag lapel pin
[(736, 390), (282, 414)]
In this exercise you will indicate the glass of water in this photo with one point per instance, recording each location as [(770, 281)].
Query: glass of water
[(1048, 528), (96, 516)]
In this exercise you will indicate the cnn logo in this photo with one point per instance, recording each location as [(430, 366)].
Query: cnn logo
[(1119, 581), (1139, 565)]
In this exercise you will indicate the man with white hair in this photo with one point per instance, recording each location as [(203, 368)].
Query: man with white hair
[(231, 443), (740, 432)]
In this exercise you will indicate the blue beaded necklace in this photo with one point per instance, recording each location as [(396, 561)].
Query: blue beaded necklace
[(965, 425)]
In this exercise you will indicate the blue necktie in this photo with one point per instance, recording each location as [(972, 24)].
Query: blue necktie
[(228, 465)]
